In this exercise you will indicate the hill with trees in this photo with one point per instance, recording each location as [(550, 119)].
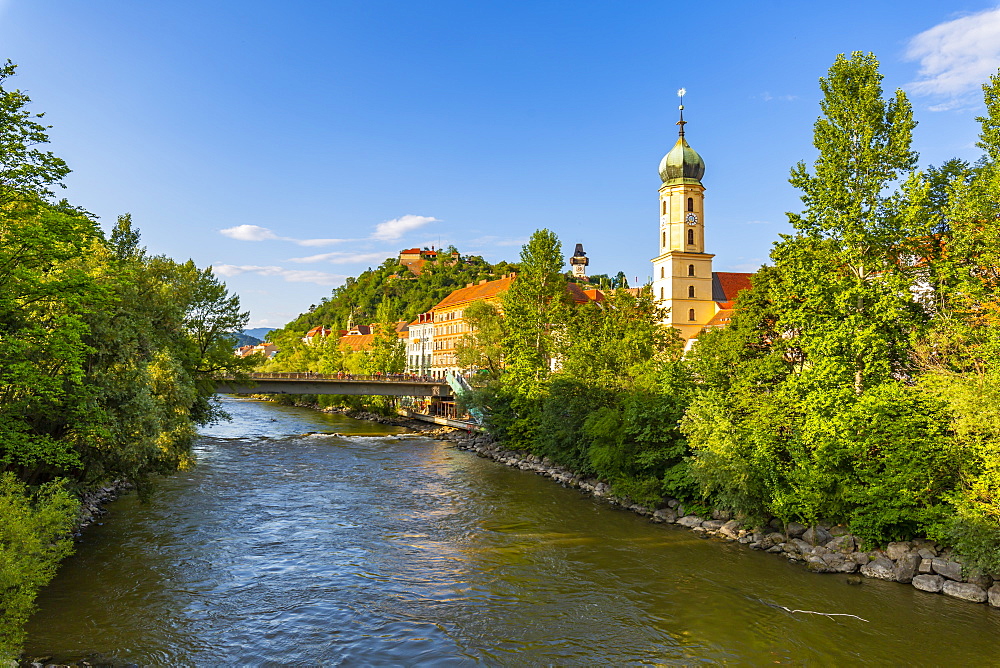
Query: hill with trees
[(391, 291)]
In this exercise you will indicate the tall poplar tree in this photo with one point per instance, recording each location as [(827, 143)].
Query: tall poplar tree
[(846, 267)]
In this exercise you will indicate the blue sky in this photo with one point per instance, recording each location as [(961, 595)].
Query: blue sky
[(291, 144)]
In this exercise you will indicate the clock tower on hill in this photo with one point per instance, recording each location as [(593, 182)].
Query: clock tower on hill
[(682, 272)]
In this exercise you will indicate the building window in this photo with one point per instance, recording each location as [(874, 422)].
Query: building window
[(663, 272), (690, 292), (690, 270), (691, 237), (661, 293), (664, 242), (664, 212), (690, 203), (691, 314)]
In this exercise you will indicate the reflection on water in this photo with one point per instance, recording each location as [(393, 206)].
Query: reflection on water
[(288, 544)]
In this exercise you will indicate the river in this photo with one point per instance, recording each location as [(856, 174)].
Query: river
[(380, 547)]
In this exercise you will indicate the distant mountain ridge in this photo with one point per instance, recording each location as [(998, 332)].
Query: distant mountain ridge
[(258, 333), (245, 339)]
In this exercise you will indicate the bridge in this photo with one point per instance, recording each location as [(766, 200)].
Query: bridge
[(391, 385)]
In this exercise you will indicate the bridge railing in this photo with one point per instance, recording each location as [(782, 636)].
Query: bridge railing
[(368, 378)]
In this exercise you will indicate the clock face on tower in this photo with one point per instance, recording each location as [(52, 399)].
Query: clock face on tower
[(692, 219)]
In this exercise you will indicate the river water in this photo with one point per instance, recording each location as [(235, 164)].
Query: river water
[(366, 545)]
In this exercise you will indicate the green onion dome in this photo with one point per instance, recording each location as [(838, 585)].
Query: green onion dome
[(682, 164)]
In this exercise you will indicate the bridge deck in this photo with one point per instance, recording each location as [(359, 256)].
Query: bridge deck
[(395, 385)]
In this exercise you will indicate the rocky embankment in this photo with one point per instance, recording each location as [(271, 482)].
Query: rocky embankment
[(919, 563), (93, 501)]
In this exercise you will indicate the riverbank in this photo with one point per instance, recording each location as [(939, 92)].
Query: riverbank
[(921, 564), (92, 503)]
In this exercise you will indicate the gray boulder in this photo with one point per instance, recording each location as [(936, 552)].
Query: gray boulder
[(712, 525), (977, 577), (844, 544), (926, 565), (880, 569), (665, 515), (993, 596), (931, 583), (731, 529), (690, 521), (949, 569), (895, 551), (838, 563), (965, 591), (860, 558), (816, 535), (794, 529), (906, 567), (801, 545), (816, 564)]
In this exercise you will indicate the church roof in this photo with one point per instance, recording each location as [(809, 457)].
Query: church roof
[(727, 284), (682, 164)]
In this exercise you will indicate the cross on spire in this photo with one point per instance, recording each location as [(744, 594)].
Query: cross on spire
[(680, 93)]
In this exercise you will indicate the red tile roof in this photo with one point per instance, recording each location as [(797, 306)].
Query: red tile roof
[(488, 290), (720, 319), (727, 284), (356, 341), (493, 289), (318, 331)]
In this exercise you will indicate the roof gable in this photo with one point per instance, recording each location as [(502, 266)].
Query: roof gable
[(727, 284)]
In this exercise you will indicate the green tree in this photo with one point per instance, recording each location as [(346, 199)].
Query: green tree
[(27, 174), (482, 346), (848, 292), (34, 538)]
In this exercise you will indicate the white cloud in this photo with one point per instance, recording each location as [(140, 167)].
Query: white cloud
[(767, 97), (393, 229), (249, 233), (956, 56), (291, 275), (258, 233), (343, 258), (318, 242), (390, 230)]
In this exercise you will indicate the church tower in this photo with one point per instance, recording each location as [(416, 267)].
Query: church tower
[(682, 272)]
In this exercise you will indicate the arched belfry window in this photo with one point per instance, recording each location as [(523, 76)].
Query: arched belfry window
[(691, 237), (661, 293), (663, 272), (690, 203), (690, 292), (691, 314), (690, 270), (664, 207), (664, 244)]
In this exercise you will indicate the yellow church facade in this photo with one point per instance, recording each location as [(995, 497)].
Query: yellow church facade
[(683, 280)]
